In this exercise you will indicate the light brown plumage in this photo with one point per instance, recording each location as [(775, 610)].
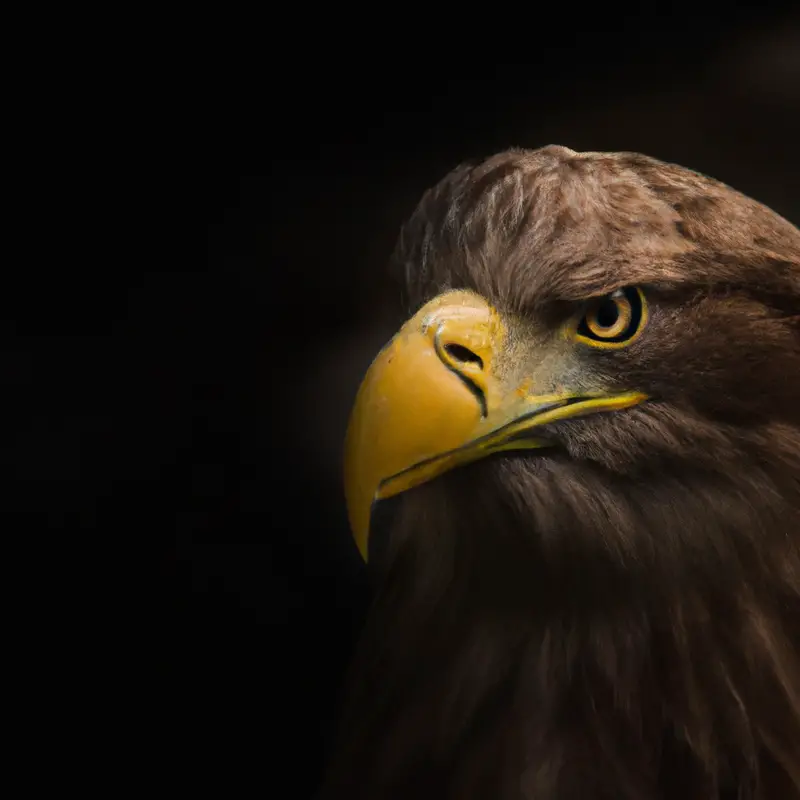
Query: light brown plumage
[(618, 618)]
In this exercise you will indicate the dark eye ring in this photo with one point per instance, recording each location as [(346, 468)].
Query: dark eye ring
[(613, 320)]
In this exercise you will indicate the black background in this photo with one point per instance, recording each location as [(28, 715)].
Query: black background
[(221, 448)]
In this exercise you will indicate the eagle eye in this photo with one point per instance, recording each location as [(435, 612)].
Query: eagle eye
[(613, 320)]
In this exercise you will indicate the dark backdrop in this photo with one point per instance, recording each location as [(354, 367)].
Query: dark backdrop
[(246, 365)]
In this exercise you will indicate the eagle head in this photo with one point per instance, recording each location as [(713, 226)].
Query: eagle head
[(575, 473)]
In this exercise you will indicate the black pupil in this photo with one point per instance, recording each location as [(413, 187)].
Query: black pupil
[(607, 313)]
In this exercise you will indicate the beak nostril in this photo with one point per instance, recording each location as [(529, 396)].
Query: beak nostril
[(463, 355)]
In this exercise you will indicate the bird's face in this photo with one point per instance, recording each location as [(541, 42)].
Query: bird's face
[(462, 381), (626, 382), (656, 368)]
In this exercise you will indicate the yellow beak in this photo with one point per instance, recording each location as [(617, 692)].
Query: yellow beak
[(444, 392)]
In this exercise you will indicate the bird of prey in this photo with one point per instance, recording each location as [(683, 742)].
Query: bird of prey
[(575, 475)]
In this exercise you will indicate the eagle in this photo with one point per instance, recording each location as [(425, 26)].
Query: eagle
[(574, 474)]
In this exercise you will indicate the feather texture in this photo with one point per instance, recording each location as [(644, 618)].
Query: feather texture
[(620, 617)]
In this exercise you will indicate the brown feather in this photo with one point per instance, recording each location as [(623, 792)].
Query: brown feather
[(619, 618)]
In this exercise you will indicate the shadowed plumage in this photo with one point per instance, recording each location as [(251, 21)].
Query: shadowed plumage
[(617, 616)]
